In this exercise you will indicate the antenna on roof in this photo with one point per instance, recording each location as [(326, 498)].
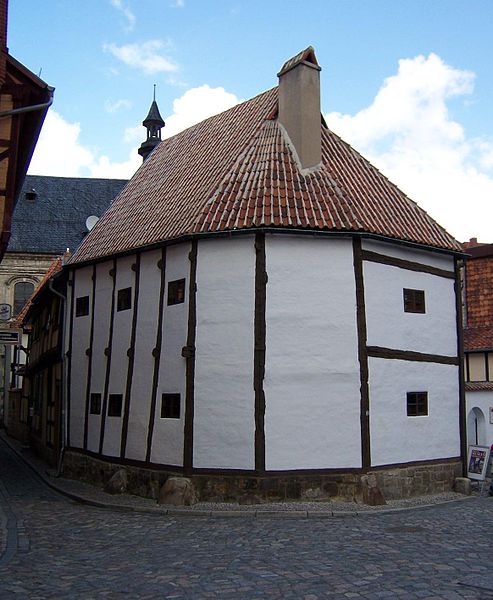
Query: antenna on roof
[(154, 97)]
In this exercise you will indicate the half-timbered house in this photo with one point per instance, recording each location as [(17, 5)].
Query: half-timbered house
[(262, 309)]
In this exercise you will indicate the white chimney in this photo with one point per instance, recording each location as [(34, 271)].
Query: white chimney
[(299, 106)]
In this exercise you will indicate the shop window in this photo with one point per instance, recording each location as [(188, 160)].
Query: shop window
[(115, 402), (170, 406), (95, 404), (124, 301), (82, 306), (176, 292), (414, 301), (417, 404)]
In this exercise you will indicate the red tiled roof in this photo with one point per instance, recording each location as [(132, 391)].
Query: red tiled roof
[(55, 266), (479, 386), (478, 338), (236, 170)]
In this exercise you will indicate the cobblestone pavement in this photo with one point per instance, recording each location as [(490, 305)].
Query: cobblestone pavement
[(52, 547)]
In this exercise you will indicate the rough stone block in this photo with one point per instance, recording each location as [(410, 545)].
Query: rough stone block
[(178, 491), (118, 483), (371, 492)]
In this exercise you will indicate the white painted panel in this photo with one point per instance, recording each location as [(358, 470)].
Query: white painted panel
[(145, 340), (434, 332), (102, 316), (397, 438), (224, 424), (79, 360), (424, 257), (167, 441), (312, 381), (481, 402), (122, 327)]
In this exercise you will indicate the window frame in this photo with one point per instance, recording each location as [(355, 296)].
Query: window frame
[(112, 398), (170, 406), (414, 301), (419, 402), (82, 308), (124, 299), (92, 403), (176, 292)]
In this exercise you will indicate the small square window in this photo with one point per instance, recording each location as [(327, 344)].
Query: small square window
[(82, 306), (115, 402), (124, 301), (170, 406), (417, 404), (414, 301), (95, 404), (176, 292)]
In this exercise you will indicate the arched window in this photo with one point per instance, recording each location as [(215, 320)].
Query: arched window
[(22, 292)]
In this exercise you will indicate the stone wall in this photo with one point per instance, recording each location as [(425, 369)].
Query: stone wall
[(394, 483)]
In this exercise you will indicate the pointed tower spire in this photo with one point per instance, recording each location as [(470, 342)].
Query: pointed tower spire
[(153, 123)]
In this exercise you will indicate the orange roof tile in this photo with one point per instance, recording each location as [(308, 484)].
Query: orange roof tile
[(478, 338), (236, 171)]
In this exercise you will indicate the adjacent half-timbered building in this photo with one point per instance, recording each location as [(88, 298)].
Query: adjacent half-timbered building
[(261, 309)]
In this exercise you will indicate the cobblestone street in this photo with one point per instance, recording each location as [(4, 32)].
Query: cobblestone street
[(52, 547)]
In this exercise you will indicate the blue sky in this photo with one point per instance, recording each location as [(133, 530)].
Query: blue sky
[(407, 83)]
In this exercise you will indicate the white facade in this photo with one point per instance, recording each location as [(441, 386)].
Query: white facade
[(479, 417), (313, 377)]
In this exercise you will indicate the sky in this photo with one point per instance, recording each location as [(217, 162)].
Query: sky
[(408, 83)]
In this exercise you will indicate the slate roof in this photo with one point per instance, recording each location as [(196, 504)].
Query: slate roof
[(478, 338), (236, 171), (55, 219)]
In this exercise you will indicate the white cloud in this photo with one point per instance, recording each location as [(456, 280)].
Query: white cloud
[(126, 12), (112, 107), (409, 134), (196, 105), (177, 4), (147, 56), (60, 153)]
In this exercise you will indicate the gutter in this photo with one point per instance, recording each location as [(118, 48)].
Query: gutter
[(63, 415), (32, 108)]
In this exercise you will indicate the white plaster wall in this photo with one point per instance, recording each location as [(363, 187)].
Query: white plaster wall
[(167, 440), (397, 438), (424, 257), (122, 327), (224, 423), (483, 401), (312, 381), (102, 315), (434, 332), (145, 340), (79, 361)]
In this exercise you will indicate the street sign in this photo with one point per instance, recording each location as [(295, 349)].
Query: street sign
[(10, 336)]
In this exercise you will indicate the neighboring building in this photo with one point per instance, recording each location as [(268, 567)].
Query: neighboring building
[(53, 214), (478, 342), (24, 102), (262, 310), (35, 411)]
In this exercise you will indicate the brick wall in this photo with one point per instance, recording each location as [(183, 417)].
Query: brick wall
[(479, 288)]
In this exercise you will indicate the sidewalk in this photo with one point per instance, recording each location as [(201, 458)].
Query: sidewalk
[(79, 491)]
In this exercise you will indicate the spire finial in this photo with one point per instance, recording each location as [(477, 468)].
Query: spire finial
[(153, 123)]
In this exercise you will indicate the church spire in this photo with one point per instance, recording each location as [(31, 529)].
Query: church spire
[(153, 123)]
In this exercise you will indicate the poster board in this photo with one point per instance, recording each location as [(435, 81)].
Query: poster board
[(478, 458)]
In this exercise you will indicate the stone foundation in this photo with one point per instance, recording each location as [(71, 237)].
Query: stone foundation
[(402, 482)]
